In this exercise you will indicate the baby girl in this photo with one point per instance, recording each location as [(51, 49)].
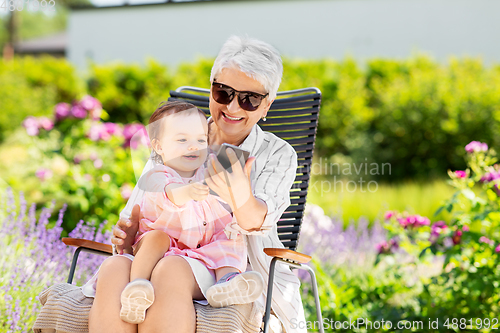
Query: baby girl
[(181, 217)]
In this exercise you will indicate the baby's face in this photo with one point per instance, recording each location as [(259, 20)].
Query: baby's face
[(183, 142)]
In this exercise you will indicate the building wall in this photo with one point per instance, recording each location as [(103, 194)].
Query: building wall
[(177, 32)]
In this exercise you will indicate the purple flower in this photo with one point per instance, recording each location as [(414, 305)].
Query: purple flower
[(43, 174), (496, 189), (78, 111), (31, 124), (45, 123), (490, 176), (62, 110), (476, 146), (90, 103), (460, 174), (436, 230)]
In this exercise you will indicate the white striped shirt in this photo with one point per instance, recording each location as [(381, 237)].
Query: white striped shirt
[(272, 176)]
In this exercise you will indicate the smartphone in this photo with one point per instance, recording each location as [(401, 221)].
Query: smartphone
[(241, 154)]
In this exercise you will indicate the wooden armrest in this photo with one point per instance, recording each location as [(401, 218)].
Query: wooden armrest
[(288, 254), (78, 242)]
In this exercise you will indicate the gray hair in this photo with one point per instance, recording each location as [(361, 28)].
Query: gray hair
[(253, 57)]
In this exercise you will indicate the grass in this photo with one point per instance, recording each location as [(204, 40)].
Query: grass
[(342, 199)]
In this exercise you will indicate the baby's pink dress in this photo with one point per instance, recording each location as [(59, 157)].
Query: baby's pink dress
[(196, 229)]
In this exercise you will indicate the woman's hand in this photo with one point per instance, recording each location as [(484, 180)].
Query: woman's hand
[(125, 230), (234, 188)]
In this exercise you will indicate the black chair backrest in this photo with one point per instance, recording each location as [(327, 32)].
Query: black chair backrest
[(293, 117)]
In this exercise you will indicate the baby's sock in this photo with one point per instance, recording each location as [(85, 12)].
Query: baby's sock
[(227, 277)]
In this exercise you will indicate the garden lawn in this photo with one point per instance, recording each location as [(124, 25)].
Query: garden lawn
[(414, 197)]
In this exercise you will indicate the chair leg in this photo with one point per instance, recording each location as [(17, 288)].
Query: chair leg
[(73, 264), (316, 296), (269, 296), (75, 259), (270, 291)]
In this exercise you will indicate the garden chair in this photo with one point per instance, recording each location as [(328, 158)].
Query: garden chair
[(293, 117)]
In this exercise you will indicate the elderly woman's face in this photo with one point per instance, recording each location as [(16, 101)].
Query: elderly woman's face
[(231, 118)]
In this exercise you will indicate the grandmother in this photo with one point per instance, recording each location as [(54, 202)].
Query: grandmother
[(244, 80)]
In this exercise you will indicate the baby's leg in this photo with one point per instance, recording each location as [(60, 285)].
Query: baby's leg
[(234, 288), (150, 249), (220, 272), (138, 295)]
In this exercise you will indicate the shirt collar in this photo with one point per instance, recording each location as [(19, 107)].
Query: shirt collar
[(253, 141)]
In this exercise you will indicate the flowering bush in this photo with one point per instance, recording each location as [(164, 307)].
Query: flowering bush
[(350, 284), (468, 245), (78, 158), (33, 258)]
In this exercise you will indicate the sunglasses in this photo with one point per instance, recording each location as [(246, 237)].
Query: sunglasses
[(248, 100)]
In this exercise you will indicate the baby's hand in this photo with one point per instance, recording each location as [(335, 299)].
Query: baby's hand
[(198, 191)]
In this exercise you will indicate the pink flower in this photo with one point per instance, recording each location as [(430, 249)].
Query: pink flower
[(32, 125), (43, 174), (130, 129), (389, 214), (486, 240), (95, 114), (90, 103), (460, 174), (113, 129), (385, 247), (457, 237), (93, 156), (98, 163), (413, 221), (62, 110), (78, 158), (126, 191), (135, 135), (45, 123), (78, 111), (497, 249), (476, 146), (465, 228)]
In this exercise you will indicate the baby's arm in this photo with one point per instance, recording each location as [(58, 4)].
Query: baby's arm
[(179, 194)]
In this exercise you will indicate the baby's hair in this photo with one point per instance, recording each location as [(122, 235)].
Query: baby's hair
[(155, 121)]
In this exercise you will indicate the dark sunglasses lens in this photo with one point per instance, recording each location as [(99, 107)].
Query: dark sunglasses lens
[(249, 102), (222, 95)]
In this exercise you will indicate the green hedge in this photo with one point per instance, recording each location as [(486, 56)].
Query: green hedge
[(31, 86), (415, 114)]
